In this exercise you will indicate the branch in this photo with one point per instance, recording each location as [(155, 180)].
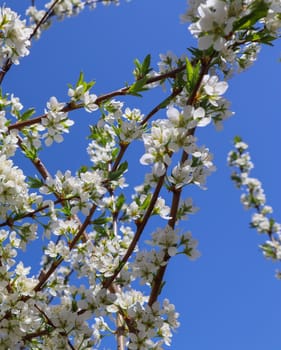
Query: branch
[(119, 92), (157, 282)]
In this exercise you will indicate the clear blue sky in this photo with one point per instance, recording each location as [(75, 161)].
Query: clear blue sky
[(228, 299)]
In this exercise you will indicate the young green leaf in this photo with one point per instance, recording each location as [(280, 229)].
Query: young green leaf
[(34, 182)]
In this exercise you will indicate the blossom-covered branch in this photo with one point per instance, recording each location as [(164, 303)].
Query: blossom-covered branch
[(94, 230), (254, 198)]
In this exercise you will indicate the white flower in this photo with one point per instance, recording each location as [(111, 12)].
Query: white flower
[(56, 122), (182, 175), (21, 270), (165, 238), (77, 93), (89, 102), (214, 88), (213, 25), (200, 117)]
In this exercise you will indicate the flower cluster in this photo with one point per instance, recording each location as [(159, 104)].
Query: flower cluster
[(9, 105), (168, 136), (166, 243), (254, 198), (62, 9), (228, 27), (14, 36), (80, 190), (55, 122), (13, 188), (81, 94), (152, 322)]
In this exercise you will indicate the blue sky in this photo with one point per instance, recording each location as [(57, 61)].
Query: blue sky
[(229, 298)]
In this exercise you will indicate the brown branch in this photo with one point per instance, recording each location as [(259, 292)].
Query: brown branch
[(72, 106), (120, 332), (119, 157), (21, 124), (158, 279)]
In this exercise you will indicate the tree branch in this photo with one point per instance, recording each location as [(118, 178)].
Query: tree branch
[(72, 106)]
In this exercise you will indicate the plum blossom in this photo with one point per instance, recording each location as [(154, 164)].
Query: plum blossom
[(158, 144), (213, 25), (56, 122), (214, 88), (14, 36)]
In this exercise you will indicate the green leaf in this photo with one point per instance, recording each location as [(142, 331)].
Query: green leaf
[(142, 69), (196, 73), (80, 79), (259, 10), (120, 201), (146, 64), (66, 209), (30, 152), (192, 74), (146, 202), (34, 182), (115, 175), (189, 73), (27, 114), (237, 139), (102, 220), (138, 86), (83, 169)]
